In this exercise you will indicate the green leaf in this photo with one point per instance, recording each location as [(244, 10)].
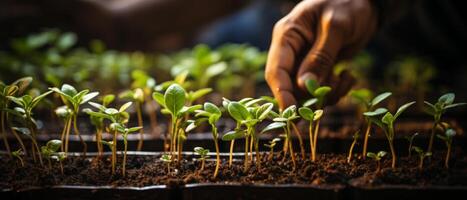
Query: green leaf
[(380, 98), (23, 130), (69, 90), (311, 85), (97, 114), (310, 102), (159, 98), (125, 106), (189, 109), (22, 83), (134, 129), (54, 145), (306, 113), (238, 111), (388, 118), (280, 119), (263, 111), (362, 96), (232, 135), (273, 126), (88, 97), (402, 109), (429, 108), (318, 114), (215, 69), (199, 93), (96, 105), (174, 98), (252, 102), (108, 99), (322, 91), (214, 118), (289, 111), (455, 105), (450, 133), (376, 112), (211, 108), (111, 111), (447, 98), (381, 154)]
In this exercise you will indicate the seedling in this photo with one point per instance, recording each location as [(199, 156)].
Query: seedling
[(98, 122), (387, 124), (63, 112), (410, 140), (203, 155), (317, 92), (313, 118), (212, 113), (377, 158), (73, 99), (167, 158), (447, 137), (421, 154), (271, 146), (146, 83), (370, 111), (13, 89), (287, 116), (444, 103), (18, 154), (119, 127), (26, 103), (49, 151), (136, 96), (356, 136)]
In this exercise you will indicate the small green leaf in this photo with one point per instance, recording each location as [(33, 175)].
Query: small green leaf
[(238, 111), (69, 90), (429, 108), (447, 98), (264, 110), (134, 129), (450, 133), (388, 118), (111, 111), (322, 91), (455, 105), (175, 98), (311, 85), (402, 109), (376, 112), (54, 145), (125, 106), (22, 130), (159, 98), (199, 93), (318, 114), (306, 113), (289, 111), (88, 97), (211, 108), (232, 135), (310, 102), (108, 99), (380, 98), (273, 126)]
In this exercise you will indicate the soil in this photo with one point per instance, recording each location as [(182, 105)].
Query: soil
[(147, 170)]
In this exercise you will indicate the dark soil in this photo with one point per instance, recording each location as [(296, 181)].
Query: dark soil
[(142, 171)]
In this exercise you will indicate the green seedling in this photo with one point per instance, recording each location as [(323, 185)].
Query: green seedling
[(173, 101), (356, 136), (421, 154), (50, 151), (167, 158), (387, 124), (64, 113), (116, 116), (271, 144), (377, 158), (287, 116), (364, 98), (137, 97), (17, 87), (26, 104), (18, 154), (203, 155), (73, 99), (447, 138), (146, 83), (444, 103), (120, 128), (410, 140), (318, 93), (98, 122), (212, 113), (313, 117)]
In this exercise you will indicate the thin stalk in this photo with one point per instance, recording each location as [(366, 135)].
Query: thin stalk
[(140, 123), (391, 146), (20, 141), (310, 132), (432, 137), (67, 135), (258, 156), (61, 167), (21, 161), (99, 142), (378, 167), (75, 127), (315, 138), (250, 152), (271, 154), (202, 165), (62, 135), (300, 140), (365, 141), (246, 152), (349, 157), (5, 140), (410, 148), (218, 159), (50, 163), (114, 152), (232, 144), (420, 165), (168, 168), (152, 114), (292, 155), (35, 146), (448, 155), (173, 135), (125, 144)]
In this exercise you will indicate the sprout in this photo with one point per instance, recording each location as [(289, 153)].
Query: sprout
[(447, 137), (203, 155), (355, 139), (18, 154), (387, 124), (13, 89), (24, 111), (410, 140), (146, 83), (137, 97), (73, 99), (363, 98), (271, 146), (313, 117), (119, 127), (317, 92), (286, 117), (49, 151), (444, 103), (377, 158), (167, 158), (212, 113), (421, 154)]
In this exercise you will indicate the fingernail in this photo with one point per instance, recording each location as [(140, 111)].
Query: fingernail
[(307, 76)]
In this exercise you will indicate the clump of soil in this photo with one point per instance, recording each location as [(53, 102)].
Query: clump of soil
[(330, 169)]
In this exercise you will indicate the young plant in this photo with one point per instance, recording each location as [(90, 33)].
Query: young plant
[(387, 124), (410, 140), (18, 154), (13, 89), (146, 83), (271, 144), (444, 103), (447, 138), (203, 155), (137, 97), (73, 99), (120, 127), (50, 151), (370, 111), (167, 158), (422, 155), (24, 111), (312, 117), (317, 92), (64, 113), (212, 113), (377, 158), (116, 116), (287, 116), (356, 136)]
